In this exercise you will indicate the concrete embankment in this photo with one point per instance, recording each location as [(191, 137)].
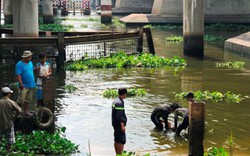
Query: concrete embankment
[(239, 43)]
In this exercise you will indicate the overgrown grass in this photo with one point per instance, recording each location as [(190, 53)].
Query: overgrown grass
[(121, 60), (111, 93), (213, 96), (41, 142), (235, 65)]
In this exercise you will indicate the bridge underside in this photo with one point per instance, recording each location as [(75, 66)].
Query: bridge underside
[(171, 11)]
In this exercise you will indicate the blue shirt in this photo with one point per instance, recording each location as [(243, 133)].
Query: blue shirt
[(26, 71)]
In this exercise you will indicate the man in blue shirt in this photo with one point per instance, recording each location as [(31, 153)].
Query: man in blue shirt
[(26, 80), (119, 121)]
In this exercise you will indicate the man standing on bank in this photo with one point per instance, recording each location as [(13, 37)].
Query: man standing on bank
[(8, 110), (119, 121), (26, 80)]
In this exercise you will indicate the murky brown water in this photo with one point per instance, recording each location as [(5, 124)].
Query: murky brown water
[(87, 114)]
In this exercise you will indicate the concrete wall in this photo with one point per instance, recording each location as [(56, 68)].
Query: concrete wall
[(134, 5), (212, 7)]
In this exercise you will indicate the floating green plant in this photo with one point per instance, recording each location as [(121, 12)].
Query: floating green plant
[(55, 27), (121, 60), (207, 38), (69, 88), (164, 27), (227, 27), (213, 96), (41, 142), (212, 27), (116, 22), (111, 93), (237, 64), (214, 151), (174, 39), (84, 25)]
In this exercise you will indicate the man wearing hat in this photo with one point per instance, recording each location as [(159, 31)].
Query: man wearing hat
[(26, 80), (8, 110)]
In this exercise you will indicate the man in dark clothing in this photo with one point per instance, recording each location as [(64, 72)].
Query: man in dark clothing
[(183, 112), (160, 115), (119, 121)]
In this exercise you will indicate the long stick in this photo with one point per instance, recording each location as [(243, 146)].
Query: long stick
[(89, 149)]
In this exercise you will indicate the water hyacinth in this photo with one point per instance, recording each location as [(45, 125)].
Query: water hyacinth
[(235, 65), (121, 60), (41, 143), (207, 38), (112, 93), (213, 96)]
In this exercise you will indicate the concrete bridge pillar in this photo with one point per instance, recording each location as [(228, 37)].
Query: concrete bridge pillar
[(25, 18), (193, 27), (98, 3), (106, 11), (168, 7), (133, 6), (7, 11), (48, 12)]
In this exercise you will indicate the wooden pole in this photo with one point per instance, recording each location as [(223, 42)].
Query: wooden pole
[(61, 50), (0, 15), (140, 41), (149, 40), (196, 128)]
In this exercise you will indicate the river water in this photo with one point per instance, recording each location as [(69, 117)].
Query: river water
[(86, 114)]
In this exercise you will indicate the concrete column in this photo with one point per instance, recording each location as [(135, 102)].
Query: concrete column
[(106, 11), (48, 11), (7, 11), (25, 18), (193, 27), (98, 3), (168, 7)]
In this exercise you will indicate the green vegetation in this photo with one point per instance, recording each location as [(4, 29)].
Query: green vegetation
[(227, 27), (164, 27), (84, 25), (230, 142), (213, 96), (111, 93), (174, 39), (212, 27), (116, 22), (237, 64), (41, 142), (7, 26), (214, 151), (55, 27), (47, 27), (207, 38), (121, 60), (210, 38), (125, 153), (69, 88)]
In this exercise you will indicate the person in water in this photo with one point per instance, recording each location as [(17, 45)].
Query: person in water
[(160, 114)]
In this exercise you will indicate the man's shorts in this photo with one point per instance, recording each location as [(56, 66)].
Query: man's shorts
[(120, 136), (25, 95), (9, 135)]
